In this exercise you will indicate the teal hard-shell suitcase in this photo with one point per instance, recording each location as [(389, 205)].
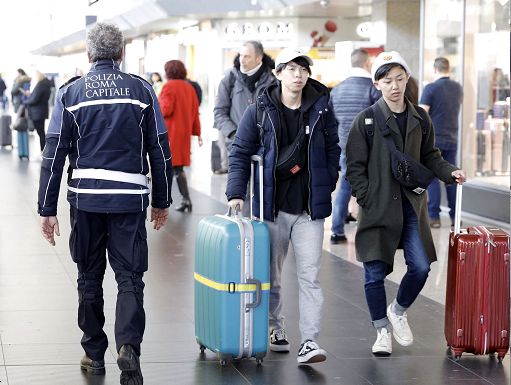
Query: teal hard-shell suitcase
[(232, 285)]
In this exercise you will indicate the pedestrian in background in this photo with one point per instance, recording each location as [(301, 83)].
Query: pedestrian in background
[(392, 216), (108, 124), (21, 83), (442, 100), (180, 108), (350, 97), (3, 87), (295, 120), (251, 73), (156, 82), (37, 104)]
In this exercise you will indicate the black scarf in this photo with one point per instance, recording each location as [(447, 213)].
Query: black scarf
[(250, 81)]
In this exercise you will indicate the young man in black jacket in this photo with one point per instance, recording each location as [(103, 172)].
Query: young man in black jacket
[(298, 140)]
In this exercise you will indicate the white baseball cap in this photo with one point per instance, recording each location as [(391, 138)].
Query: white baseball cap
[(387, 58), (288, 54)]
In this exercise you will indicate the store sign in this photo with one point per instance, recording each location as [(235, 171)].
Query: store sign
[(263, 30), (365, 29)]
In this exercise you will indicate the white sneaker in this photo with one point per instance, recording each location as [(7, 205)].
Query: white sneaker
[(310, 352), (383, 344), (278, 341), (400, 328)]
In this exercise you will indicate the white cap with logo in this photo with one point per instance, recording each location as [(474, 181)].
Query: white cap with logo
[(387, 58), (288, 54)]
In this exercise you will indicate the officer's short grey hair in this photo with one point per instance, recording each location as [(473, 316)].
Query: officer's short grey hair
[(105, 42)]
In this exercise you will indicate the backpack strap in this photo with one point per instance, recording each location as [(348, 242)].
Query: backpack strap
[(371, 112), (260, 117), (423, 114), (369, 125)]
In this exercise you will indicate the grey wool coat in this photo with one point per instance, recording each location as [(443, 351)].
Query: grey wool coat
[(380, 196)]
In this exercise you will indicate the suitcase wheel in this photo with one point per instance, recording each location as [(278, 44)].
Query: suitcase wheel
[(224, 359), (202, 349), (259, 358)]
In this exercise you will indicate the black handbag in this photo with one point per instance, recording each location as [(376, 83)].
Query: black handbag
[(406, 170), (21, 122)]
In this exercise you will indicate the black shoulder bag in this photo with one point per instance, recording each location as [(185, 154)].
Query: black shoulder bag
[(406, 170), (292, 158)]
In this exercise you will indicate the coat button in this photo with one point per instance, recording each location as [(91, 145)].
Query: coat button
[(394, 197)]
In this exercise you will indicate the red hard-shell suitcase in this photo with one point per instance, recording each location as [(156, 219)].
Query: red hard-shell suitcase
[(478, 290)]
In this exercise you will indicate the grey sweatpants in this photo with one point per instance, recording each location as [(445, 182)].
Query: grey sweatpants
[(306, 237)]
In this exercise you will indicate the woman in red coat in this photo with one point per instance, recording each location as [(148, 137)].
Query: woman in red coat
[(180, 109)]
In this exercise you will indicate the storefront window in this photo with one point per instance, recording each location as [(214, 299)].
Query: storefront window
[(474, 36), (486, 110), (443, 27)]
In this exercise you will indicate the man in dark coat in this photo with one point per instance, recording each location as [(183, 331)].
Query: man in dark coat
[(294, 131), (442, 100), (392, 215), (37, 103), (109, 124)]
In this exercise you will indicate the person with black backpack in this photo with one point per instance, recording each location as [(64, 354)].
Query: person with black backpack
[(390, 154)]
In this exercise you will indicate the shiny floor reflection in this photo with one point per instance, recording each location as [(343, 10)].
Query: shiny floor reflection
[(40, 339)]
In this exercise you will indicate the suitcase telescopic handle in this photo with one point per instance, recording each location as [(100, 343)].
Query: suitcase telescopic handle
[(257, 293), (457, 212), (259, 160)]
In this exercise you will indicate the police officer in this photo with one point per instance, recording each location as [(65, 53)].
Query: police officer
[(107, 122)]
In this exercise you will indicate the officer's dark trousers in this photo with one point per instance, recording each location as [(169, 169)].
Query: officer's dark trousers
[(124, 236)]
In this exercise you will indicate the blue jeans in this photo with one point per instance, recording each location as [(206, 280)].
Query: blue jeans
[(449, 154), (413, 281), (342, 199)]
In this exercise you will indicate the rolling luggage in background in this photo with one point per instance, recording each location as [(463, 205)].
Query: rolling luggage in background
[(23, 149), (484, 153), (498, 138), (216, 159), (477, 294), (5, 130), (232, 274)]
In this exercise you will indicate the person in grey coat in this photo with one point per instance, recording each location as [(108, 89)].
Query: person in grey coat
[(251, 73), (393, 216)]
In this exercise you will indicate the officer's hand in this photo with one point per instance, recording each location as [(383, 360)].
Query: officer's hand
[(49, 227), (459, 176), (159, 217), (236, 202), (201, 142)]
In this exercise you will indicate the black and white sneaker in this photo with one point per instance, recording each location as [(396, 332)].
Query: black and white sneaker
[(310, 352), (278, 341)]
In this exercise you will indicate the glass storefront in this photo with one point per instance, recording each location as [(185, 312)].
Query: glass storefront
[(487, 80), (474, 36)]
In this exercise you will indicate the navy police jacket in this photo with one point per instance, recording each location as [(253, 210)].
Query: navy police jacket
[(108, 123), (323, 151)]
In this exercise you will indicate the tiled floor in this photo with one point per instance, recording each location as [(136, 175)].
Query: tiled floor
[(40, 339)]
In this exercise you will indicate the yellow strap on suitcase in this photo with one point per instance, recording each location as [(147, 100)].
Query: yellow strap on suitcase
[(231, 287)]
